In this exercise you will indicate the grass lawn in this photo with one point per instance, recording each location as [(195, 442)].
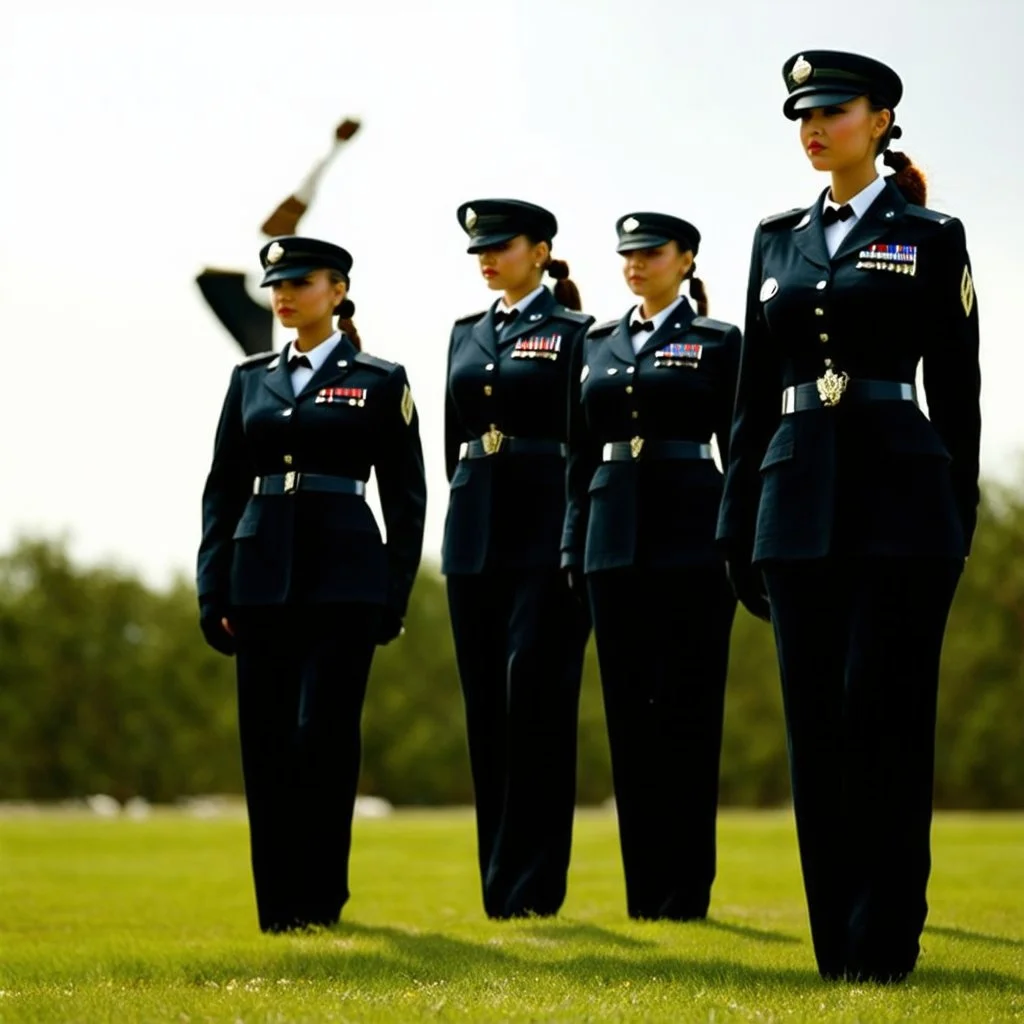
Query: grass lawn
[(153, 920)]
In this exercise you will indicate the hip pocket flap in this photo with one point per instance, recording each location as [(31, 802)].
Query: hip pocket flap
[(779, 451)]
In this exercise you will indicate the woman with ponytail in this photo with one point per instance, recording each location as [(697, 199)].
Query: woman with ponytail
[(293, 577), (519, 632), (649, 391), (848, 513)]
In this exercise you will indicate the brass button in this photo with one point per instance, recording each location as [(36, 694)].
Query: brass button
[(488, 390), (819, 311), (823, 337), (287, 460), (629, 389), (635, 414)]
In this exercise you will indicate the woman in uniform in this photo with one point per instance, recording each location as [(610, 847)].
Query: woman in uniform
[(519, 632), (847, 512), (649, 390), (293, 577)]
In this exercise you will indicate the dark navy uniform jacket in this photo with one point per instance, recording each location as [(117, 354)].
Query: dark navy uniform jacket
[(310, 547), (506, 510), (870, 478), (648, 512)]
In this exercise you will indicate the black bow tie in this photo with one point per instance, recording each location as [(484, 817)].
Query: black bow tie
[(636, 326), (833, 213), (501, 318), (295, 361)]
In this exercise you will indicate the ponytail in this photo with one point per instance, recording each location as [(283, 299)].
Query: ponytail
[(566, 291), (698, 292), (909, 178), (344, 311)]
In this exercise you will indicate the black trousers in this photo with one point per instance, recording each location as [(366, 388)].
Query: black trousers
[(519, 642), (663, 648), (859, 641), (302, 676)]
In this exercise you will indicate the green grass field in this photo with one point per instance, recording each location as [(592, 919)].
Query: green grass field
[(120, 920)]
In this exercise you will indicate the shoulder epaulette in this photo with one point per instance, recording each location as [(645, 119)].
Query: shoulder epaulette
[(257, 358), (705, 323), (571, 314), (470, 318), (778, 220), (376, 362), (924, 213), (600, 330)]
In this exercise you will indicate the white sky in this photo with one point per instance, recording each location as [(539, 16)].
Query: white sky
[(140, 147)]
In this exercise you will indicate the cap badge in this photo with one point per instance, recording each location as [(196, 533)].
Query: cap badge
[(630, 224), (275, 252), (470, 218), (801, 70)]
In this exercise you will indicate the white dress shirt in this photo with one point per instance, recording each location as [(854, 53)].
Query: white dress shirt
[(302, 375), (517, 306), (837, 231), (642, 337)]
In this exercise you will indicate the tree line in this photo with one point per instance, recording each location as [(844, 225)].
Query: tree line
[(107, 687)]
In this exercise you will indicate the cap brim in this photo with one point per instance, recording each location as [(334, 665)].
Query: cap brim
[(273, 274), (481, 242), (635, 242), (810, 98)]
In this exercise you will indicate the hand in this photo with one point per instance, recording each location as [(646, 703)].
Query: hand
[(216, 627), (576, 583), (748, 585), (389, 626)]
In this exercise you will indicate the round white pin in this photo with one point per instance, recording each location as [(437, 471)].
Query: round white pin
[(769, 288)]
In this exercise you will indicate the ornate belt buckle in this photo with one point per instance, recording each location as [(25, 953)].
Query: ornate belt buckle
[(832, 386), (636, 445), (492, 440), (291, 478)]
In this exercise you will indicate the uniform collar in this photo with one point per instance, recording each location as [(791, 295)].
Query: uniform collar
[(316, 356), (521, 304), (659, 318), (861, 201)]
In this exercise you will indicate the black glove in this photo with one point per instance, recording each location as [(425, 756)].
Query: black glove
[(389, 626), (748, 585), (211, 611)]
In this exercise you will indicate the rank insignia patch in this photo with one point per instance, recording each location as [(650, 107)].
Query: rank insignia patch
[(407, 405), (967, 291)]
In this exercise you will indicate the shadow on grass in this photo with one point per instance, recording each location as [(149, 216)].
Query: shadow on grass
[(419, 958), (747, 932), (591, 934), (968, 936)]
